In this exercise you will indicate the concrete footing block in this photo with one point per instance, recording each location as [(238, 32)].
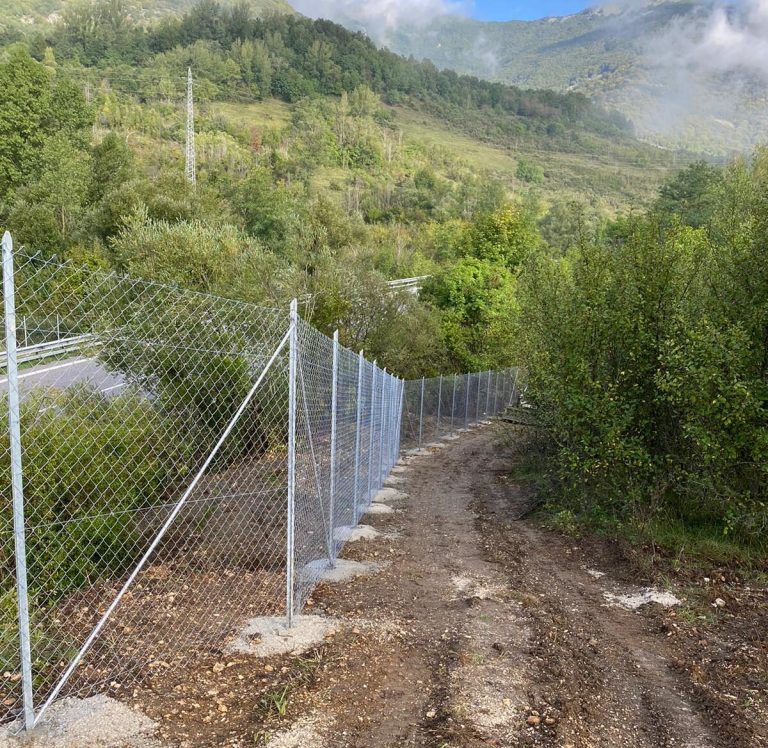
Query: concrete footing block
[(96, 722), (269, 636), (389, 494), (380, 509)]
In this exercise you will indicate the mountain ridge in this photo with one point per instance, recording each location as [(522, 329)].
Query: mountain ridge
[(624, 58)]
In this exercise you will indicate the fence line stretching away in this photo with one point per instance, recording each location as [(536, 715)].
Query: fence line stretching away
[(198, 463)]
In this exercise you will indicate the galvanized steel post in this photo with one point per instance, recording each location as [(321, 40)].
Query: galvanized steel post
[(371, 431), (289, 562), (439, 404), (383, 426), (358, 425), (453, 403), (17, 482), (421, 412), (477, 402), (468, 384), (488, 395), (332, 482)]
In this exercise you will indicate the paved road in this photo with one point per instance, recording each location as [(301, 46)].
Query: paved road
[(66, 373)]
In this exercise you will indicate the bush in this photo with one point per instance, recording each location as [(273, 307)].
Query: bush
[(647, 360), (91, 464)]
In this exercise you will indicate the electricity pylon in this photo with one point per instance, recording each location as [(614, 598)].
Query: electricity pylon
[(191, 168)]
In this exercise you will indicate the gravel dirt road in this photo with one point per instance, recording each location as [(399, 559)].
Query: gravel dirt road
[(483, 629)]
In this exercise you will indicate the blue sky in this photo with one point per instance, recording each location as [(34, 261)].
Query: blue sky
[(506, 10)]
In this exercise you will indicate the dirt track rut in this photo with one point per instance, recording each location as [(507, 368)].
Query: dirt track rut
[(502, 637)]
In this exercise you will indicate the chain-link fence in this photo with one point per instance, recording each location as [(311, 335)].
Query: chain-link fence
[(445, 406), (194, 463)]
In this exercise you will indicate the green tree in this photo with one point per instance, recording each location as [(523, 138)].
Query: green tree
[(475, 300), (505, 236)]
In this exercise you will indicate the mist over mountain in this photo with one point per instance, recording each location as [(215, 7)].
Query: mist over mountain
[(686, 73)]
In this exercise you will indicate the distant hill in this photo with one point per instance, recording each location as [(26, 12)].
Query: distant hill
[(623, 57)]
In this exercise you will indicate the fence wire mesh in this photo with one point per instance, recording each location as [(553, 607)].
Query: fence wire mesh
[(188, 463), (444, 406)]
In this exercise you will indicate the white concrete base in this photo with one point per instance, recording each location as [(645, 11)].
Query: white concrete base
[(389, 494), (346, 570), (270, 636), (380, 509), (363, 532), (96, 722)]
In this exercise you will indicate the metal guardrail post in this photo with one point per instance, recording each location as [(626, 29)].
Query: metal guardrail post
[(488, 394), (439, 404), (17, 483), (289, 563), (332, 482), (358, 425)]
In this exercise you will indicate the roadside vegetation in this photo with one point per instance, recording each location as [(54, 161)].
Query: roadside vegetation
[(645, 343)]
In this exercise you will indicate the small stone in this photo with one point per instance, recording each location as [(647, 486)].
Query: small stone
[(218, 667), (534, 720), (719, 603), (431, 714), (550, 721), (269, 669)]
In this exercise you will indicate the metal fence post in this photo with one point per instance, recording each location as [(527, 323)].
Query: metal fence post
[(488, 394), (332, 482), (358, 425), (496, 395), (513, 395), (453, 403), (371, 433), (421, 412), (477, 409), (17, 482), (400, 415), (468, 381), (289, 563), (382, 430), (439, 404)]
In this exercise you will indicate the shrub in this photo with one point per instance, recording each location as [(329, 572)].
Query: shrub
[(91, 465)]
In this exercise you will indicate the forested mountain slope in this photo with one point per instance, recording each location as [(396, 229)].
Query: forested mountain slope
[(21, 13), (646, 59)]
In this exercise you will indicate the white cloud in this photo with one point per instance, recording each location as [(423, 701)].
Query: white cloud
[(733, 40), (381, 16)]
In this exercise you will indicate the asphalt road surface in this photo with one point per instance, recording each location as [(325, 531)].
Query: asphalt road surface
[(67, 373)]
